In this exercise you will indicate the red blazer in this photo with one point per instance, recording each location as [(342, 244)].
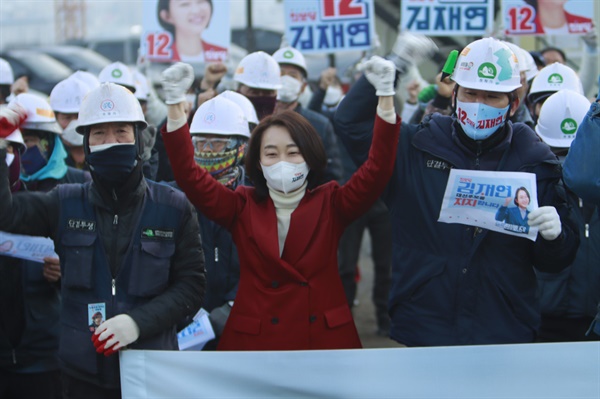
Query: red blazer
[(212, 52), (295, 301), (575, 23)]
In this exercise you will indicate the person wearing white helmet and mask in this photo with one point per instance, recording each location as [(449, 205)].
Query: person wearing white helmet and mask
[(454, 284), (44, 161), (220, 136), (286, 227), (30, 309), (65, 99), (549, 80), (293, 83), (568, 300), (129, 248), (258, 77)]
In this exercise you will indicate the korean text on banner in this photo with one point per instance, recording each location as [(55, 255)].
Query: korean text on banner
[(327, 26), (187, 31), (527, 17), (497, 201), (446, 18)]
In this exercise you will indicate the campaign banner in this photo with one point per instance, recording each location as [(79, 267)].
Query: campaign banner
[(525, 371), (497, 201), (328, 26), (189, 31), (447, 17), (534, 17), (26, 247)]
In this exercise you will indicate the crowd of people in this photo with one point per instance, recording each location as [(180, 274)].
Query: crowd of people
[(252, 205)]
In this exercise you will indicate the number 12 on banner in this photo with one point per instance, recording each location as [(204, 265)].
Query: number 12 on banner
[(520, 20), (340, 9), (158, 45)]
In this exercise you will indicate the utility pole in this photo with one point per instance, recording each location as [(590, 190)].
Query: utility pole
[(69, 20), (251, 40)]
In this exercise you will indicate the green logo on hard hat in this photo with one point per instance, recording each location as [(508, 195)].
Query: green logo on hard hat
[(555, 78), (288, 54), (568, 126), (116, 73), (487, 70)]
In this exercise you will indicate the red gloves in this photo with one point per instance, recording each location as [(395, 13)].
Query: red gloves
[(114, 334), (10, 119)]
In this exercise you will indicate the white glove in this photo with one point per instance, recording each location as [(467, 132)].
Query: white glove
[(10, 119), (410, 49), (115, 333), (176, 81), (547, 221), (381, 74)]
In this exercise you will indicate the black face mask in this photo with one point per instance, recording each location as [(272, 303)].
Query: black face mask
[(263, 105), (115, 164), (33, 160)]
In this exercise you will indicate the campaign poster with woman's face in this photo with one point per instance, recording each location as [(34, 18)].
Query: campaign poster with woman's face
[(191, 31), (548, 17)]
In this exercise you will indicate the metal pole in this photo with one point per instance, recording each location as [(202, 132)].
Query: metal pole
[(251, 42)]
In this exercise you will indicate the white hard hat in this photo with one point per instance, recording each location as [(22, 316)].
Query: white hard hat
[(6, 73), (118, 73), (258, 70), (110, 102), (88, 78), (532, 69), (39, 113), (291, 56), (560, 116), (220, 116), (67, 95), (16, 138), (71, 136), (553, 78), (243, 102), (142, 90), (487, 64), (518, 51)]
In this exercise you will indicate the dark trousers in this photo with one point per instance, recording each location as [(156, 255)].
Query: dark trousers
[(30, 385), (377, 220), (74, 388)]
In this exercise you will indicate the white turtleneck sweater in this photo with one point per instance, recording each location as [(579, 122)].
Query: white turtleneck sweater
[(285, 204)]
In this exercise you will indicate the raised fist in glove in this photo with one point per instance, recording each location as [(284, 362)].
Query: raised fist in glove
[(547, 221), (11, 117), (114, 334), (411, 49), (381, 74), (176, 81)]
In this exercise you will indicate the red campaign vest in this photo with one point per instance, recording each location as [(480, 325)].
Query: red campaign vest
[(212, 53)]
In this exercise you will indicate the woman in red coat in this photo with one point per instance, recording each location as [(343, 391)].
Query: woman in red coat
[(286, 228)]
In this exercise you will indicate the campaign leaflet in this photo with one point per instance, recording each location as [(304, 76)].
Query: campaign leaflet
[(497, 201), (197, 333), (26, 247)]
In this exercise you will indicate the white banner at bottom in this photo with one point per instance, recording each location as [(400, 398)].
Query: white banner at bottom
[(564, 370)]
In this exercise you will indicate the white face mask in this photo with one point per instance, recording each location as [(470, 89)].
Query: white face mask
[(102, 147), (9, 158), (285, 176), (290, 89), (333, 95)]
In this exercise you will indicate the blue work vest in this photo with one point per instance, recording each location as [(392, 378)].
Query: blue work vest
[(87, 279)]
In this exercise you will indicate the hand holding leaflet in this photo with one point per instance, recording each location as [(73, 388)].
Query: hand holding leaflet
[(547, 221)]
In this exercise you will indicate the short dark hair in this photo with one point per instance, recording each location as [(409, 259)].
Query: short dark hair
[(559, 51), (164, 5), (303, 134), (517, 194)]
